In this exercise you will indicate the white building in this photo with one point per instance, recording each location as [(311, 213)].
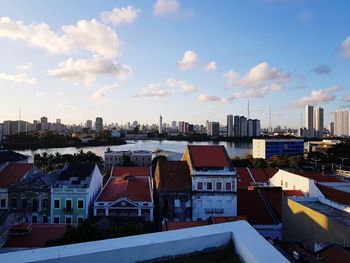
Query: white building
[(304, 181), (214, 181), (265, 148), (309, 121), (136, 158), (229, 125), (99, 125), (160, 124), (342, 123)]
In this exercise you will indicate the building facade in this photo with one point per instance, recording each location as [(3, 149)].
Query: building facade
[(74, 192), (342, 123), (99, 125), (230, 125), (265, 148), (214, 181), (309, 121), (119, 158)]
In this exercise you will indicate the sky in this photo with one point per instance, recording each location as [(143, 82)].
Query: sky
[(187, 60)]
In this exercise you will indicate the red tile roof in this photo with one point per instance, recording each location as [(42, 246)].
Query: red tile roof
[(293, 193), (244, 179), (250, 203), (270, 171), (318, 177), (209, 156), (180, 225), (13, 173), (173, 176), (334, 194), (134, 171), (34, 235), (225, 219), (136, 189), (259, 175)]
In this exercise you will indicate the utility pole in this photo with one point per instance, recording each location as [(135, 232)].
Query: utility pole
[(342, 161), (315, 161)]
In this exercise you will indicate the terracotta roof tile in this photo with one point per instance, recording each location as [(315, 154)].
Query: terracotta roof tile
[(270, 172), (34, 235), (224, 219), (134, 171), (209, 156), (173, 176), (259, 175), (244, 179), (180, 225), (334, 194), (293, 193), (318, 177), (129, 183), (13, 173)]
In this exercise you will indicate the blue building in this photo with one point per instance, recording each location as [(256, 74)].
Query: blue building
[(265, 148)]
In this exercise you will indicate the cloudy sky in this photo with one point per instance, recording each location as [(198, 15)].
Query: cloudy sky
[(132, 60)]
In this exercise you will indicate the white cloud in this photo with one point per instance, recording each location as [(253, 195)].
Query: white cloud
[(305, 16), (87, 35), (202, 98), (19, 78), (66, 106), (100, 95), (154, 90), (317, 97), (345, 47), (118, 16), (346, 99), (40, 93), (189, 60), (27, 66), (211, 66), (166, 7), (181, 84), (86, 70), (258, 81)]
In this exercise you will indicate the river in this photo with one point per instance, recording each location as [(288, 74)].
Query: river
[(233, 148)]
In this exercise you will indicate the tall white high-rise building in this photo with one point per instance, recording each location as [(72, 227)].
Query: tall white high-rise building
[(229, 125), (99, 124), (318, 122), (342, 123), (160, 124), (309, 121)]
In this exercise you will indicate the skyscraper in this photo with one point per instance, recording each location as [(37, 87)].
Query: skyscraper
[(160, 124), (229, 125), (243, 126), (342, 123), (236, 127), (309, 121), (99, 124), (318, 122)]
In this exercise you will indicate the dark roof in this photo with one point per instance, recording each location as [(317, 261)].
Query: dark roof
[(134, 171), (171, 225), (261, 206), (173, 176), (270, 171), (13, 173), (334, 194), (209, 156), (79, 170), (11, 156), (293, 193), (244, 179), (34, 235), (259, 175), (318, 177), (334, 253)]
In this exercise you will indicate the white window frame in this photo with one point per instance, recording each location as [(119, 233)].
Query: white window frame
[(71, 220), (5, 203), (177, 203), (59, 219), (59, 203), (65, 202), (80, 199), (80, 217)]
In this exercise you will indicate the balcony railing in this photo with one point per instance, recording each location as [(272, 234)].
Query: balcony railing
[(209, 210), (68, 210), (219, 210)]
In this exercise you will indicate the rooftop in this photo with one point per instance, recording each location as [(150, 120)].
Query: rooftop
[(249, 176), (13, 173), (173, 176), (11, 156), (33, 235), (333, 213), (209, 156), (336, 192), (318, 177), (293, 193), (132, 183), (75, 175)]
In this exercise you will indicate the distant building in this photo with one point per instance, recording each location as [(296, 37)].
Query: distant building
[(230, 130), (173, 189), (88, 124), (214, 129), (124, 158), (74, 192), (309, 121), (331, 128), (160, 124), (265, 148), (44, 124), (243, 132), (342, 123), (127, 193), (99, 125), (214, 181), (318, 122), (236, 126)]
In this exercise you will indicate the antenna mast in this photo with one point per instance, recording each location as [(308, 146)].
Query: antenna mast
[(248, 111), (270, 121)]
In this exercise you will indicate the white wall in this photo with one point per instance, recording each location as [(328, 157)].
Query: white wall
[(259, 148), (249, 245)]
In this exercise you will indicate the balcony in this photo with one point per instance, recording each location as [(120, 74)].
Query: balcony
[(219, 210), (209, 210)]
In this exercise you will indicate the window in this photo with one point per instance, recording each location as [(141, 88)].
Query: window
[(229, 203), (68, 220), (45, 219), (177, 203), (35, 205), (199, 186), (218, 186), (14, 203), (68, 205), (294, 187), (34, 219), (219, 204), (165, 204), (56, 220), (228, 187), (24, 203), (80, 219), (199, 203), (209, 186), (3, 203), (282, 183), (57, 203), (80, 204), (286, 184), (45, 203)]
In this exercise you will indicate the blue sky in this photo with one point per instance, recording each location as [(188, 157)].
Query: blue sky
[(132, 60)]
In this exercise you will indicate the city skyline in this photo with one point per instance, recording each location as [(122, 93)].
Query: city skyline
[(202, 62)]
